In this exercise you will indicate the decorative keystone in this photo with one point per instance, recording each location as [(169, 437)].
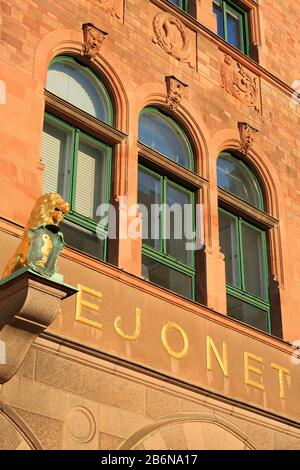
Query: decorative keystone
[(247, 136), (175, 92), (93, 40)]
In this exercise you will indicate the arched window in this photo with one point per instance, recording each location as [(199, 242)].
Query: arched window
[(79, 86), (75, 152), (243, 242), (234, 176), (165, 136), (167, 201)]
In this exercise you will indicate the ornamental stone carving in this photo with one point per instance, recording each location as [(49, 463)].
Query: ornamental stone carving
[(93, 40), (81, 424), (239, 82), (172, 37), (247, 136), (175, 92), (110, 6)]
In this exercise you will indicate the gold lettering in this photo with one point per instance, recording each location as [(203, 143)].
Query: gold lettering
[(281, 370), (210, 346), (137, 332), (180, 354), (248, 368), (89, 305)]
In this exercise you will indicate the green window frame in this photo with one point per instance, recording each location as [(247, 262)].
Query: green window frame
[(183, 4), (97, 88), (177, 131), (226, 9), (237, 288), (160, 254), (69, 183), (252, 180)]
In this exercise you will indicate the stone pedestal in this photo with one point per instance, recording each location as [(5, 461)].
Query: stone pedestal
[(29, 303)]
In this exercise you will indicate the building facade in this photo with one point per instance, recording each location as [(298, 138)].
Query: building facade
[(185, 327)]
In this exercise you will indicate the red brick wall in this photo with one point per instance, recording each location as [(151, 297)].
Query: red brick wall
[(281, 43), (141, 67)]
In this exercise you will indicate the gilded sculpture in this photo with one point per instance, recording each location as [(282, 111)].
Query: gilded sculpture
[(42, 240)]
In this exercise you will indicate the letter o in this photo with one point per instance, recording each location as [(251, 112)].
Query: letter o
[(180, 354)]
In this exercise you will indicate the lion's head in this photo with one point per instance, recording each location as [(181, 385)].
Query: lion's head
[(49, 209)]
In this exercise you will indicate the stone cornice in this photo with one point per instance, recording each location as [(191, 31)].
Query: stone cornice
[(68, 349)]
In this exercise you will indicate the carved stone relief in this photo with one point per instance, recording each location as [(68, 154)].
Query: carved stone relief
[(171, 35), (110, 6), (247, 136), (239, 82), (93, 40), (175, 92)]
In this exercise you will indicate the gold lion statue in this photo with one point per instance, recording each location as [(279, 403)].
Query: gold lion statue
[(42, 240)]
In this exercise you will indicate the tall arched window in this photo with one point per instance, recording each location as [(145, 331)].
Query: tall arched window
[(243, 241), (167, 201), (76, 151)]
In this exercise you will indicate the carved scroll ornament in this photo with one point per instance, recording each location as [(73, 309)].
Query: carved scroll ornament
[(109, 6), (238, 82), (172, 37)]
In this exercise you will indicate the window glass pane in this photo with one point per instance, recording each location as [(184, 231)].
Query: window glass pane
[(163, 135), (217, 8), (247, 313), (91, 178), (149, 196), (177, 2), (179, 223), (235, 177), (167, 277), (75, 84), (234, 26), (55, 154), (253, 248), (82, 239), (229, 246)]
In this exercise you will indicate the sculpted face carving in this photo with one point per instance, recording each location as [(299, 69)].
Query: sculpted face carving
[(93, 40), (247, 136), (172, 37), (175, 92), (239, 82), (42, 241)]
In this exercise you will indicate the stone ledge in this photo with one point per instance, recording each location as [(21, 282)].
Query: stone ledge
[(29, 303)]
